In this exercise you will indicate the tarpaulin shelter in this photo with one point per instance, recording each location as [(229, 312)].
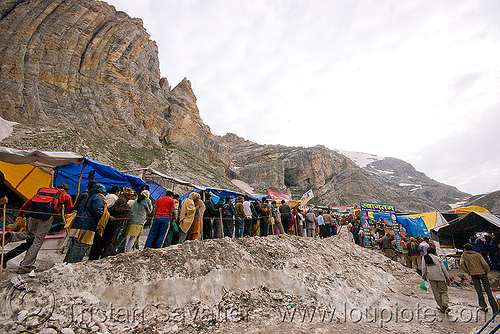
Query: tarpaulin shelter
[(65, 167), (41, 158), (26, 179), (472, 208), (432, 220), (457, 233), (27, 171), (158, 182), (77, 176), (221, 193), (413, 225)]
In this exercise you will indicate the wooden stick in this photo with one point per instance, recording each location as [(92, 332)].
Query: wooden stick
[(221, 225), (80, 180), (3, 239), (271, 221)]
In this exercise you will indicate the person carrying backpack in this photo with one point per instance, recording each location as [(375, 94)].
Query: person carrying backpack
[(40, 210)]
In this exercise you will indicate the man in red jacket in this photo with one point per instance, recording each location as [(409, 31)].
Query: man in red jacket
[(37, 229), (160, 233)]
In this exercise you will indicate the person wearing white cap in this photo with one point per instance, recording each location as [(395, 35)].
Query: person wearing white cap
[(141, 207)]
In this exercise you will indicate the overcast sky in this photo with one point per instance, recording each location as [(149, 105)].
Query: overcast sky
[(415, 80)]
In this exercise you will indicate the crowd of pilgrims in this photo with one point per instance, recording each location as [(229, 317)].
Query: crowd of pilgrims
[(104, 222), (413, 248), (107, 222)]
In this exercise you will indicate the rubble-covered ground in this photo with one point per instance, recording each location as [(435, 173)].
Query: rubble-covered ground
[(278, 284)]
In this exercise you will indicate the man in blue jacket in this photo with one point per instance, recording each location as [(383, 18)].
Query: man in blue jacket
[(91, 218)]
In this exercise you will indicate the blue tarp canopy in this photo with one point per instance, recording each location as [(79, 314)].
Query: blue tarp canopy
[(221, 193), (106, 175), (155, 190), (413, 226)]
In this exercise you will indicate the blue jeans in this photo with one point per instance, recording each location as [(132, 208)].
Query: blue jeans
[(228, 226), (77, 251), (240, 226), (160, 234)]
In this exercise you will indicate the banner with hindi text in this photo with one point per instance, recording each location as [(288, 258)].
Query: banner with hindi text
[(386, 208), (276, 195)]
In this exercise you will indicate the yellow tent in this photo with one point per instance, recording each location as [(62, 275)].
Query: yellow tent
[(26, 179), (469, 209), (432, 219)]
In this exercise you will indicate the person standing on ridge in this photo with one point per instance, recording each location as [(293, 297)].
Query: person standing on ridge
[(286, 215), (240, 217), (91, 218), (160, 233)]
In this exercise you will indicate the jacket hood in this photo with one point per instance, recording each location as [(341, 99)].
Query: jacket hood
[(98, 189), (193, 196)]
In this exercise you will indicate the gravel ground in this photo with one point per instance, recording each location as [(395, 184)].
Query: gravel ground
[(274, 284)]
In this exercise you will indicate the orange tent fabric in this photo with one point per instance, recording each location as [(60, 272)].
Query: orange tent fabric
[(468, 209)]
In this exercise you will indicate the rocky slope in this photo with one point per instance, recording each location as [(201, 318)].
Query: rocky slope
[(490, 201), (336, 177), (77, 75)]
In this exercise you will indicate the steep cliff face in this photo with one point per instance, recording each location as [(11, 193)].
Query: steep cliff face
[(78, 75), (70, 63)]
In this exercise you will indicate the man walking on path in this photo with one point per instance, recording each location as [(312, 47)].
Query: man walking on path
[(473, 263), (434, 271), (249, 214)]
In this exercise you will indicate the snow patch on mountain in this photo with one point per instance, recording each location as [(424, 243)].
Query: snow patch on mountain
[(361, 159), (245, 187), (6, 128), (373, 170)]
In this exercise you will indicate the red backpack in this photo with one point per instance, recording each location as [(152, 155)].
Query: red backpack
[(44, 203)]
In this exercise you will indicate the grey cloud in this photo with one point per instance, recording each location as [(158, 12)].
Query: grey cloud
[(466, 81), (469, 159)]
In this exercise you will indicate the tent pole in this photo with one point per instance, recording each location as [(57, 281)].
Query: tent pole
[(80, 180), (25, 177), (3, 239)]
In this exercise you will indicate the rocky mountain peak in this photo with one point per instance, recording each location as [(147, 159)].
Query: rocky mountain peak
[(183, 91)]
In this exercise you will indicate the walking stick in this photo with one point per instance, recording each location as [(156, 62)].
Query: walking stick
[(3, 239), (296, 225), (201, 228), (221, 225), (272, 221)]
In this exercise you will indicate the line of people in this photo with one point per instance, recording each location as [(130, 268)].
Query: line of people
[(104, 222), (262, 218)]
